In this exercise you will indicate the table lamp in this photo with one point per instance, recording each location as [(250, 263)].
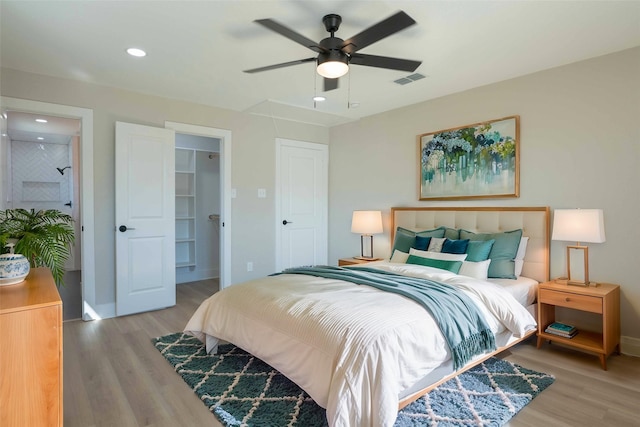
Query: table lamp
[(578, 225), (366, 223)]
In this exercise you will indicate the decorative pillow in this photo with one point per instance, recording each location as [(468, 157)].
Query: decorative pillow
[(405, 239), (438, 255), (399, 257), (436, 244), (519, 260), (522, 248), (422, 242), (478, 250), (452, 233), (502, 252), (478, 270), (519, 263), (455, 246), (452, 266)]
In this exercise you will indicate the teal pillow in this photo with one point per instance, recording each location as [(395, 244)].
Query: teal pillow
[(502, 252), (478, 250), (452, 233), (422, 242), (436, 232), (455, 246), (452, 266), (405, 239)]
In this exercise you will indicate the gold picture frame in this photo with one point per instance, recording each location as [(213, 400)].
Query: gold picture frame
[(477, 161)]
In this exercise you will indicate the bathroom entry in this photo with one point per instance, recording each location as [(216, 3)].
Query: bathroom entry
[(42, 172), (198, 208)]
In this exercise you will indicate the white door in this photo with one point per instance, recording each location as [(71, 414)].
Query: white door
[(301, 205), (145, 218)]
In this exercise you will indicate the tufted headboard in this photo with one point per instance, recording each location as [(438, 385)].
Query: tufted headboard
[(534, 222)]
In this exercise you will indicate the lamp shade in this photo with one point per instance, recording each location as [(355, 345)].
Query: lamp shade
[(578, 225), (366, 222), (332, 64), (332, 69)]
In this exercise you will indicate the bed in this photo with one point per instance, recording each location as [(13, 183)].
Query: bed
[(363, 353)]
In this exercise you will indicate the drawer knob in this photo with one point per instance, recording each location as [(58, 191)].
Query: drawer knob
[(567, 299)]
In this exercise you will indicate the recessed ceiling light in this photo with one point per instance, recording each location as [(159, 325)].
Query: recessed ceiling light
[(133, 51), (40, 138), (41, 120), (319, 98)]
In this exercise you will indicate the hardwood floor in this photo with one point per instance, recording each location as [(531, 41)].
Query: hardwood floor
[(113, 376)]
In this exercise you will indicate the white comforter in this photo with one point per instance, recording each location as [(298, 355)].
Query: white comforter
[(352, 348)]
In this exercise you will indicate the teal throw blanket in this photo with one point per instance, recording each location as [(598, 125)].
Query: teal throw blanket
[(460, 321)]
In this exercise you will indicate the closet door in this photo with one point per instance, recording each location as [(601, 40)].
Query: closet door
[(145, 218)]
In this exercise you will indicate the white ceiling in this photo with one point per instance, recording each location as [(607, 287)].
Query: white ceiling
[(197, 50), (57, 130)]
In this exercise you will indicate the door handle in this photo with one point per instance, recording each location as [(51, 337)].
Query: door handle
[(124, 228), (285, 222)]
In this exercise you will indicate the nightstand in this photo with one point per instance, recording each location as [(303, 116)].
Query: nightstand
[(352, 261), (603, 299)]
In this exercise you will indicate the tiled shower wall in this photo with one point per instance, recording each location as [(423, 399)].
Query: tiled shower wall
[(35, 181)]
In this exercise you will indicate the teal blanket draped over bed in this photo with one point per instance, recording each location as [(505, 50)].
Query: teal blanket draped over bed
[(460, 321)]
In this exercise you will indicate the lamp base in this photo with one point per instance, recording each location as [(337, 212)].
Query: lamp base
[(566, 281), (583, 284), (576, 283), (367, 258)]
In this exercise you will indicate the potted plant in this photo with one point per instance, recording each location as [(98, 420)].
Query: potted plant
[(44, 237)]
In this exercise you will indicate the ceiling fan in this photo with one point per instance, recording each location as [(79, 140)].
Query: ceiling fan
[(335, 55)]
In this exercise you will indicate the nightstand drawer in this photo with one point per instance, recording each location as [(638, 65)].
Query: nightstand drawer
[(570, 300)]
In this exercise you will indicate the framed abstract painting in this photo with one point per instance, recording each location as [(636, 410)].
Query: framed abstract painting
[(478, 161)]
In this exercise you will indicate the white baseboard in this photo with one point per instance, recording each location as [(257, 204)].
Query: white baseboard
[(630, 346)]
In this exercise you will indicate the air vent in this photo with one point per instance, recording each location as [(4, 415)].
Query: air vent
[(409, 79), (403, 81), (416, 76)]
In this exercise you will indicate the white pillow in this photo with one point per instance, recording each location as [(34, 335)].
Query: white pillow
[(479, 270), (519, 259), (435, 245), (518, 268), (399, 257), (438, 255), (522, 248)]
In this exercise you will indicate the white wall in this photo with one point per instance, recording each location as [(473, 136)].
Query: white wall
[(253, 156), (580, 148)]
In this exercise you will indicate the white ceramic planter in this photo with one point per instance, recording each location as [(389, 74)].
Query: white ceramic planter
[(13, 269)]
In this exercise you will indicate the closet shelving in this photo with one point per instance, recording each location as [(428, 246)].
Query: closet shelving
[(185, 208)]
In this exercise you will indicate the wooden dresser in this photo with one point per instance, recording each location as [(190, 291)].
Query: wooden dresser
[(31, 352)]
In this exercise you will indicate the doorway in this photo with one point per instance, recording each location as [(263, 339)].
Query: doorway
[(46, 155), (223, 209), (198, 203)]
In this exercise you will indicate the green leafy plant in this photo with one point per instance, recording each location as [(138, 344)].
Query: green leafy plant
[(44, 237)]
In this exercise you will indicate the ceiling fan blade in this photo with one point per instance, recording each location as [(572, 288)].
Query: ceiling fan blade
[(376, 32), (384, 62), (330, 84), (290, 34), (282, 65)]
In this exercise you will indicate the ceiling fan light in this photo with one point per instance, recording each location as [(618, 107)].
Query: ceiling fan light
[(333, 69), (332, 64)]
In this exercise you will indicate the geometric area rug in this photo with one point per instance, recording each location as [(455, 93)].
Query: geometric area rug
[(242, 390)]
